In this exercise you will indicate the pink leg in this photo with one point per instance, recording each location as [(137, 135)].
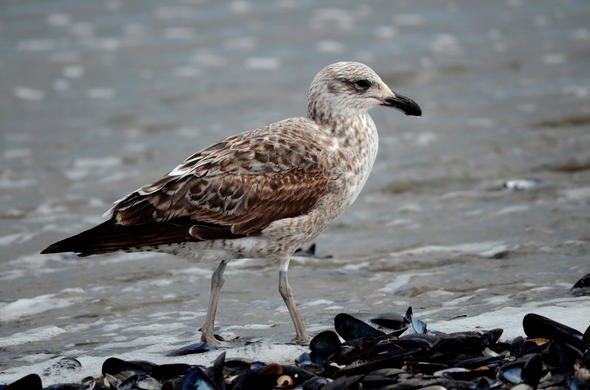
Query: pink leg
[(301, 336)]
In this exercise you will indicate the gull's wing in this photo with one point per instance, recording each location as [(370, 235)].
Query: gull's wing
[(232, 189)]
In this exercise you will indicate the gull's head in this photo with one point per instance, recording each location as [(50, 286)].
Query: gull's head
[(352, 88)]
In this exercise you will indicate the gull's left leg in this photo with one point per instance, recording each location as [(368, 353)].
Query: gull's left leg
[(217, 280), (301, 336)]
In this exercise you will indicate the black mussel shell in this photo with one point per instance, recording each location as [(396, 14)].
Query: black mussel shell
[(586, 358), (532, 370), (350, 328), (309, 252), (482, 384), (464, 374), (195, 379), (215, 372), (345, 382), (236, 367), (69, 386), (582, 286), (317, 383), (325, 343), (536, 326), (374, 380), (481, 361), (29, 382), (528, 369), (142, 381), (428, 368), (164, 372), (114, 366), (395, 322), (516, 346), (200, 347), (560, 354), (462, 342)]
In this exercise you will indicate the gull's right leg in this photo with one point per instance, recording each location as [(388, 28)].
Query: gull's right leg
[(301, 336), (207, 335)]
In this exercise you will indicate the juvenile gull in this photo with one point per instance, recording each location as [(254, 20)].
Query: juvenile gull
[(260, 193)]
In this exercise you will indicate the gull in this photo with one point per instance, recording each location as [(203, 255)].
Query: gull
[(261, 193)]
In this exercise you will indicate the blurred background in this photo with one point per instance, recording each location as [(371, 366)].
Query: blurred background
[(100, 97)]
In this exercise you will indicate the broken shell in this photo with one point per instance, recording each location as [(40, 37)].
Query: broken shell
[(284, 381)]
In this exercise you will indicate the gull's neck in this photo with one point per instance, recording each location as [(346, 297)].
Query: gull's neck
[(338, 123)]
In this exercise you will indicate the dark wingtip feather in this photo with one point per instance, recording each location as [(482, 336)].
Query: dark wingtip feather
[(53, 248), (110, 236), (83, 243)]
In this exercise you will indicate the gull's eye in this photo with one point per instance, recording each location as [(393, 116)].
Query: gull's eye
[(362, 84)]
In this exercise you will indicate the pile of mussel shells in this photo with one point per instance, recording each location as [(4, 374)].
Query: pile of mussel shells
[(399, 352)]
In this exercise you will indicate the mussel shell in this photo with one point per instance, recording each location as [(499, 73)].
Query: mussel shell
[(114, 366), (196, 379), (235, 367), (419, 326), (215, 372), (586, 358), (303, 360), (464, 342), (464, 374), (325, 343), (350, 328), (317, 383), (560, 354), (582, 286), (200, 347), (142, 382), (532, 370), (536, 326), (377, 349), (482, 384), (395, 322), (512, 373), (345, 382), (164, 372), (309, 252), (527, 369), (29, 382), (428, 368), (481, 361), (516, 346)]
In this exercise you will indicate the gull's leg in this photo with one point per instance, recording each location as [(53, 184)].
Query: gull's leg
[(301, 336), (207, 334)]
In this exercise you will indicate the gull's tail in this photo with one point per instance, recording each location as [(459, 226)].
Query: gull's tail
[(110, 236)]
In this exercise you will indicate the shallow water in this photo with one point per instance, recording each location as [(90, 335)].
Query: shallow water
[(98, 99)]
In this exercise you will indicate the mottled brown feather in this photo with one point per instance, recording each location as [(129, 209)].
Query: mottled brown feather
[(236, 187)]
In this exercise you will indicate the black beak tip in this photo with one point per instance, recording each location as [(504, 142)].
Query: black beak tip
[(413, 111), (404, 104)]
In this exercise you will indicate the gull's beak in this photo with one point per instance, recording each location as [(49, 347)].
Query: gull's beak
[(402, 103)]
